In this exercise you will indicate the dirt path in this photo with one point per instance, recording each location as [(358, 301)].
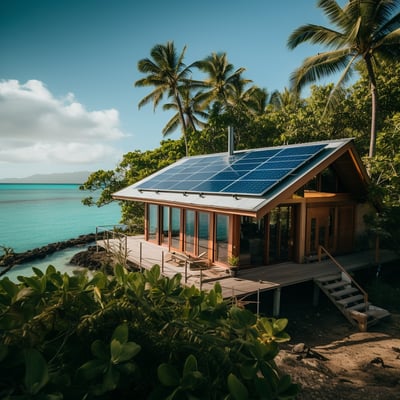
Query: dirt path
[(331, 360)]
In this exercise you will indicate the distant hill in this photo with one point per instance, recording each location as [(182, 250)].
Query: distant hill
[(66, 177)]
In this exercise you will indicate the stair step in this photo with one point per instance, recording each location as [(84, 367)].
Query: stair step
[(377, 313), (358, 307), (328, 278), (344, 292), (350, 300), (336, 285)]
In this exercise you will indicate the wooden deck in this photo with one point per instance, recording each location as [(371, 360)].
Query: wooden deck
[(249, 281)]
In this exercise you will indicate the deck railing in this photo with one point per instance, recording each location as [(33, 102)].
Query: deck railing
[(321, 250), (113, 232)]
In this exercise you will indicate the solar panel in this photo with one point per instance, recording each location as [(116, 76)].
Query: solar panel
[(251, 172)]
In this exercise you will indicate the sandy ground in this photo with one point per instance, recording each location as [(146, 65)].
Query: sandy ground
[(331, 359)]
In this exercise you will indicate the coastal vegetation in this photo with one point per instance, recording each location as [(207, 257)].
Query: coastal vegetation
[(133, 335)]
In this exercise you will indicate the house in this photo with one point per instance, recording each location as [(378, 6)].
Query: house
[(258, 207)]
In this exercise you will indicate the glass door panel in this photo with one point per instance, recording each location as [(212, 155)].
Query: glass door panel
[(175, 228), (165, 226), (189, 230), (203, 232), (153, 222), (221, 230)]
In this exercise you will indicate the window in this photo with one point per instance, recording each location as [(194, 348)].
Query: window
[(175, 227), (153, 222), (203, 231), (189, 230), (280, 234), (165, 225), (222, 231)]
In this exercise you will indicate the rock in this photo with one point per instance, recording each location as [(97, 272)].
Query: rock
[(91, 258), (11, 259), (299, 348)]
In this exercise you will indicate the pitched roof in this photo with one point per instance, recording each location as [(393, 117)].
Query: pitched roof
[(245, 181)]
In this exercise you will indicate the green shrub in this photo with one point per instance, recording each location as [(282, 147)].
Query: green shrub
[(133, 335)]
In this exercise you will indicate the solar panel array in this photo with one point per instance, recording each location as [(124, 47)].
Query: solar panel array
[(246, 173)]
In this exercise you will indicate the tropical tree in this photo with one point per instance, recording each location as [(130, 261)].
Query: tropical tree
[(166, 72), (365, 29), (193, 112), (221, 79)]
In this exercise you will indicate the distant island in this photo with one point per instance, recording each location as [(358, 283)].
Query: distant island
[(66, 177)]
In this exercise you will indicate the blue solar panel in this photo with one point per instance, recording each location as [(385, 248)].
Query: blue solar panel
[(252, 172)]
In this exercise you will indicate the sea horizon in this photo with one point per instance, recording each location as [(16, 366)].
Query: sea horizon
[(33, 215)]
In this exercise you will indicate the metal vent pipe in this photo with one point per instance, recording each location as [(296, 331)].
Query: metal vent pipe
[(230, 140)]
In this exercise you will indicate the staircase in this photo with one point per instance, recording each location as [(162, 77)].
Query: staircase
[(350, 298)]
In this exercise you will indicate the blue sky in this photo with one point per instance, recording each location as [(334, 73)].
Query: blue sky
[(68, 67)]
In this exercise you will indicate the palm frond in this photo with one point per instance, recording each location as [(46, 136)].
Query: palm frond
[(337, 93), (172, 125), (386, 29), (332, 10), (320, 66), (315, 34)]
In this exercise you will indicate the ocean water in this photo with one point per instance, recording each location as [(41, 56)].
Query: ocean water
[(33, 215)]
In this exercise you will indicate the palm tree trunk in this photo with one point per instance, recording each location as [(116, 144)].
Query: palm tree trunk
[(183, 122), (374, 107)]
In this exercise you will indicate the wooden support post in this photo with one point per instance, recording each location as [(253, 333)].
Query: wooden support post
[(186, 277), (140, 256), (316, 295), (277, 302)]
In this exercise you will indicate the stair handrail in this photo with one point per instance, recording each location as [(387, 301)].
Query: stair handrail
[(364, 293)]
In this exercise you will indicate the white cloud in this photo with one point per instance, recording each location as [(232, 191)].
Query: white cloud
[(36, 127)]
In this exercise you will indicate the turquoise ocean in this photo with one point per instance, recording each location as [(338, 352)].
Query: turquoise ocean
[(33, 215)]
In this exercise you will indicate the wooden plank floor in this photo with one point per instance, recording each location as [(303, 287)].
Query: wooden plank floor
[(248, 281)]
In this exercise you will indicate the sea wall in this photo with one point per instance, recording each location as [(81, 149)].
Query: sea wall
[(10, 259)]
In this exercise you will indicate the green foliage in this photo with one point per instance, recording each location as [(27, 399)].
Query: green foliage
[(132, 335)]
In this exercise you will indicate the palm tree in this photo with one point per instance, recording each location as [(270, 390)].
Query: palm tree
[(166, 72), (221, 78), (366, 29), (193, 111)]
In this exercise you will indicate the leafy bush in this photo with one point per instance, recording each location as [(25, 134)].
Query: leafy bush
[(133, 335)]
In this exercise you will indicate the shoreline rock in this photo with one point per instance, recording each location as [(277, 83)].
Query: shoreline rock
[(8, 260), (92, 258)]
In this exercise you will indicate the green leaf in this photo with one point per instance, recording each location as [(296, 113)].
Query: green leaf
[(248, 369), (168, 375), (120, 274), (9, 287), (153, 275), (236, 388), (33, 282), (92, 369), (50, 270), (38, 272), (36, 371), (116, 349), (111, 379), (128, 351), (280, 324), (24, 293), (190, 364), (121, 333), (97, 296), (99, 350), (99, 280)]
